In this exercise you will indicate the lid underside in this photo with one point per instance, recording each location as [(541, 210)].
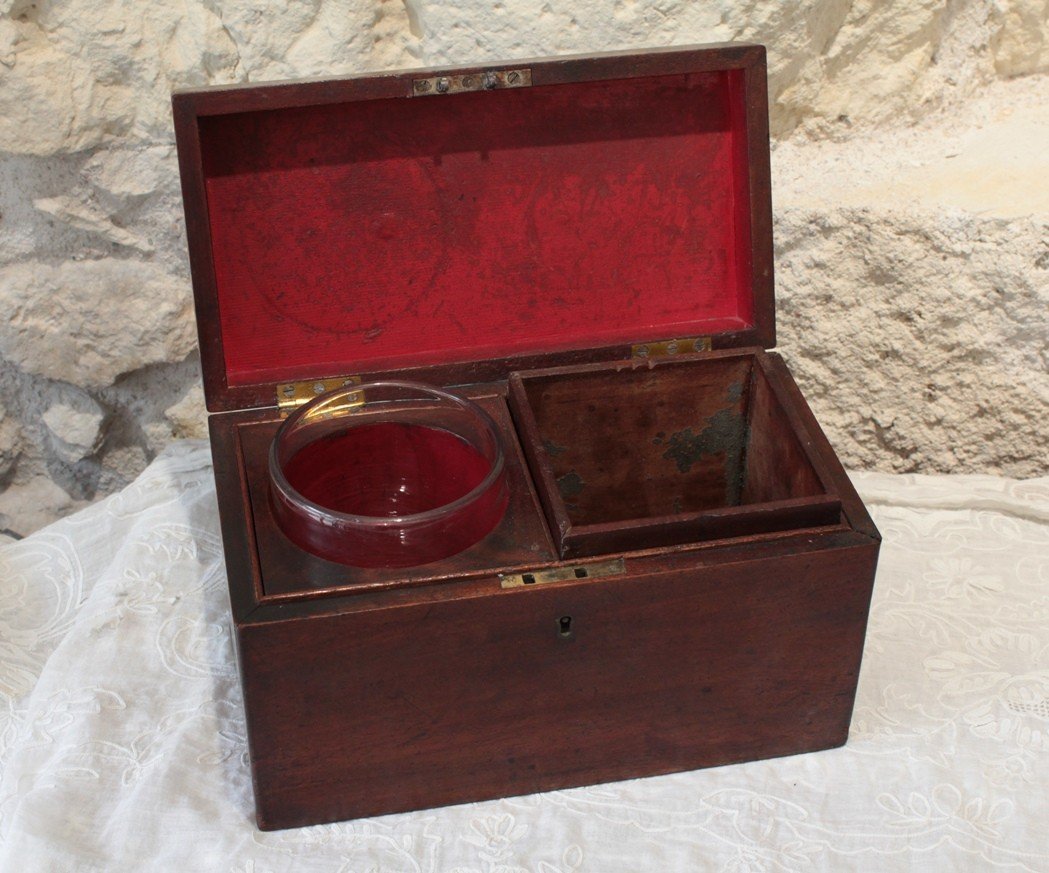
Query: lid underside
[(367, 235)]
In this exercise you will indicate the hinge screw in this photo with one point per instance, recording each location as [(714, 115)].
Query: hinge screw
[(513, 77), (422, 85)]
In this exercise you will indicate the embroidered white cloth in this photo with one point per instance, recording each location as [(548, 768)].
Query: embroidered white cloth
[(122, 740)]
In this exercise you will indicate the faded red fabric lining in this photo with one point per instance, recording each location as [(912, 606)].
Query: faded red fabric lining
[(373, 234)]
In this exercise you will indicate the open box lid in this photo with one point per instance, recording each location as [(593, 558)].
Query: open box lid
[(453, 225)]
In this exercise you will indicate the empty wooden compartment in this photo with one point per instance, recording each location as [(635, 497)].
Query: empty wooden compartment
[(646, 453)]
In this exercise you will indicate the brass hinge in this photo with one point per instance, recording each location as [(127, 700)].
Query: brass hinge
[(594, 570), (292, 395), (486, 81), (663, 348)]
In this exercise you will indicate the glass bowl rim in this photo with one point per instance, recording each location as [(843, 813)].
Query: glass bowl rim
[(332, 517)]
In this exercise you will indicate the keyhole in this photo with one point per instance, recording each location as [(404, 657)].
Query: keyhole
[(564, 625)]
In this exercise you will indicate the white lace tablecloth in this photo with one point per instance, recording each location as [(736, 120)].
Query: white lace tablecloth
[(122, 741)]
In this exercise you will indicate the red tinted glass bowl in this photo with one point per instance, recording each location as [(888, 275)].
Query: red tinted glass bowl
[(411, 475)]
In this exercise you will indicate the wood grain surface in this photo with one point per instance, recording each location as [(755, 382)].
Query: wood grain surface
[(735, 628)]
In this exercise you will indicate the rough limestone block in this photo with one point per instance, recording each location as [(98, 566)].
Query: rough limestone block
[(27, 506), (49, 99), (96, 71), (84, 217), (87, 323), (74, 421), (913, 287), (189, 417), (1021, 37), (920, 340), (899, 207), (10, 444)]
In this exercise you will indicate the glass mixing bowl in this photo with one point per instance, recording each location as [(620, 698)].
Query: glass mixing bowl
[(387, 474)]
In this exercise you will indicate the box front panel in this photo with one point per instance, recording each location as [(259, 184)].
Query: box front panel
[(553, 686)]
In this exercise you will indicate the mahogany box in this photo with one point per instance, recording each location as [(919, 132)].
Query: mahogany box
[(584, 246)]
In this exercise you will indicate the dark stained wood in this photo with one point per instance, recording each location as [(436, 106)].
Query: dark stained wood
[(777, 466), (566, 69), (734, 633), (198, 240), (370, 701), (816, 444), (723, 522), (761, 254), (623, 439), (344, 596), (644, 453), (482, 697), (243, 573)]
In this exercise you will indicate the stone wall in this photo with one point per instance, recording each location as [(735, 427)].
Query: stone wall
[(910, 194)]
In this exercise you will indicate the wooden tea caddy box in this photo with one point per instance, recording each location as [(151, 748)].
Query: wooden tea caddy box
[(583, 245)]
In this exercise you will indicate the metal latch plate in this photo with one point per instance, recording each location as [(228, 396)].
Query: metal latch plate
[(663, 348), (488, 80), (593, 570)]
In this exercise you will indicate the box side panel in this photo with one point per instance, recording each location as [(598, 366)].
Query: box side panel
[(816, 444), (776, 465), (553, 686), (234, 504)]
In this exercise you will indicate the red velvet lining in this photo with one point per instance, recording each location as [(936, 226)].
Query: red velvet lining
[(368, 235)]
